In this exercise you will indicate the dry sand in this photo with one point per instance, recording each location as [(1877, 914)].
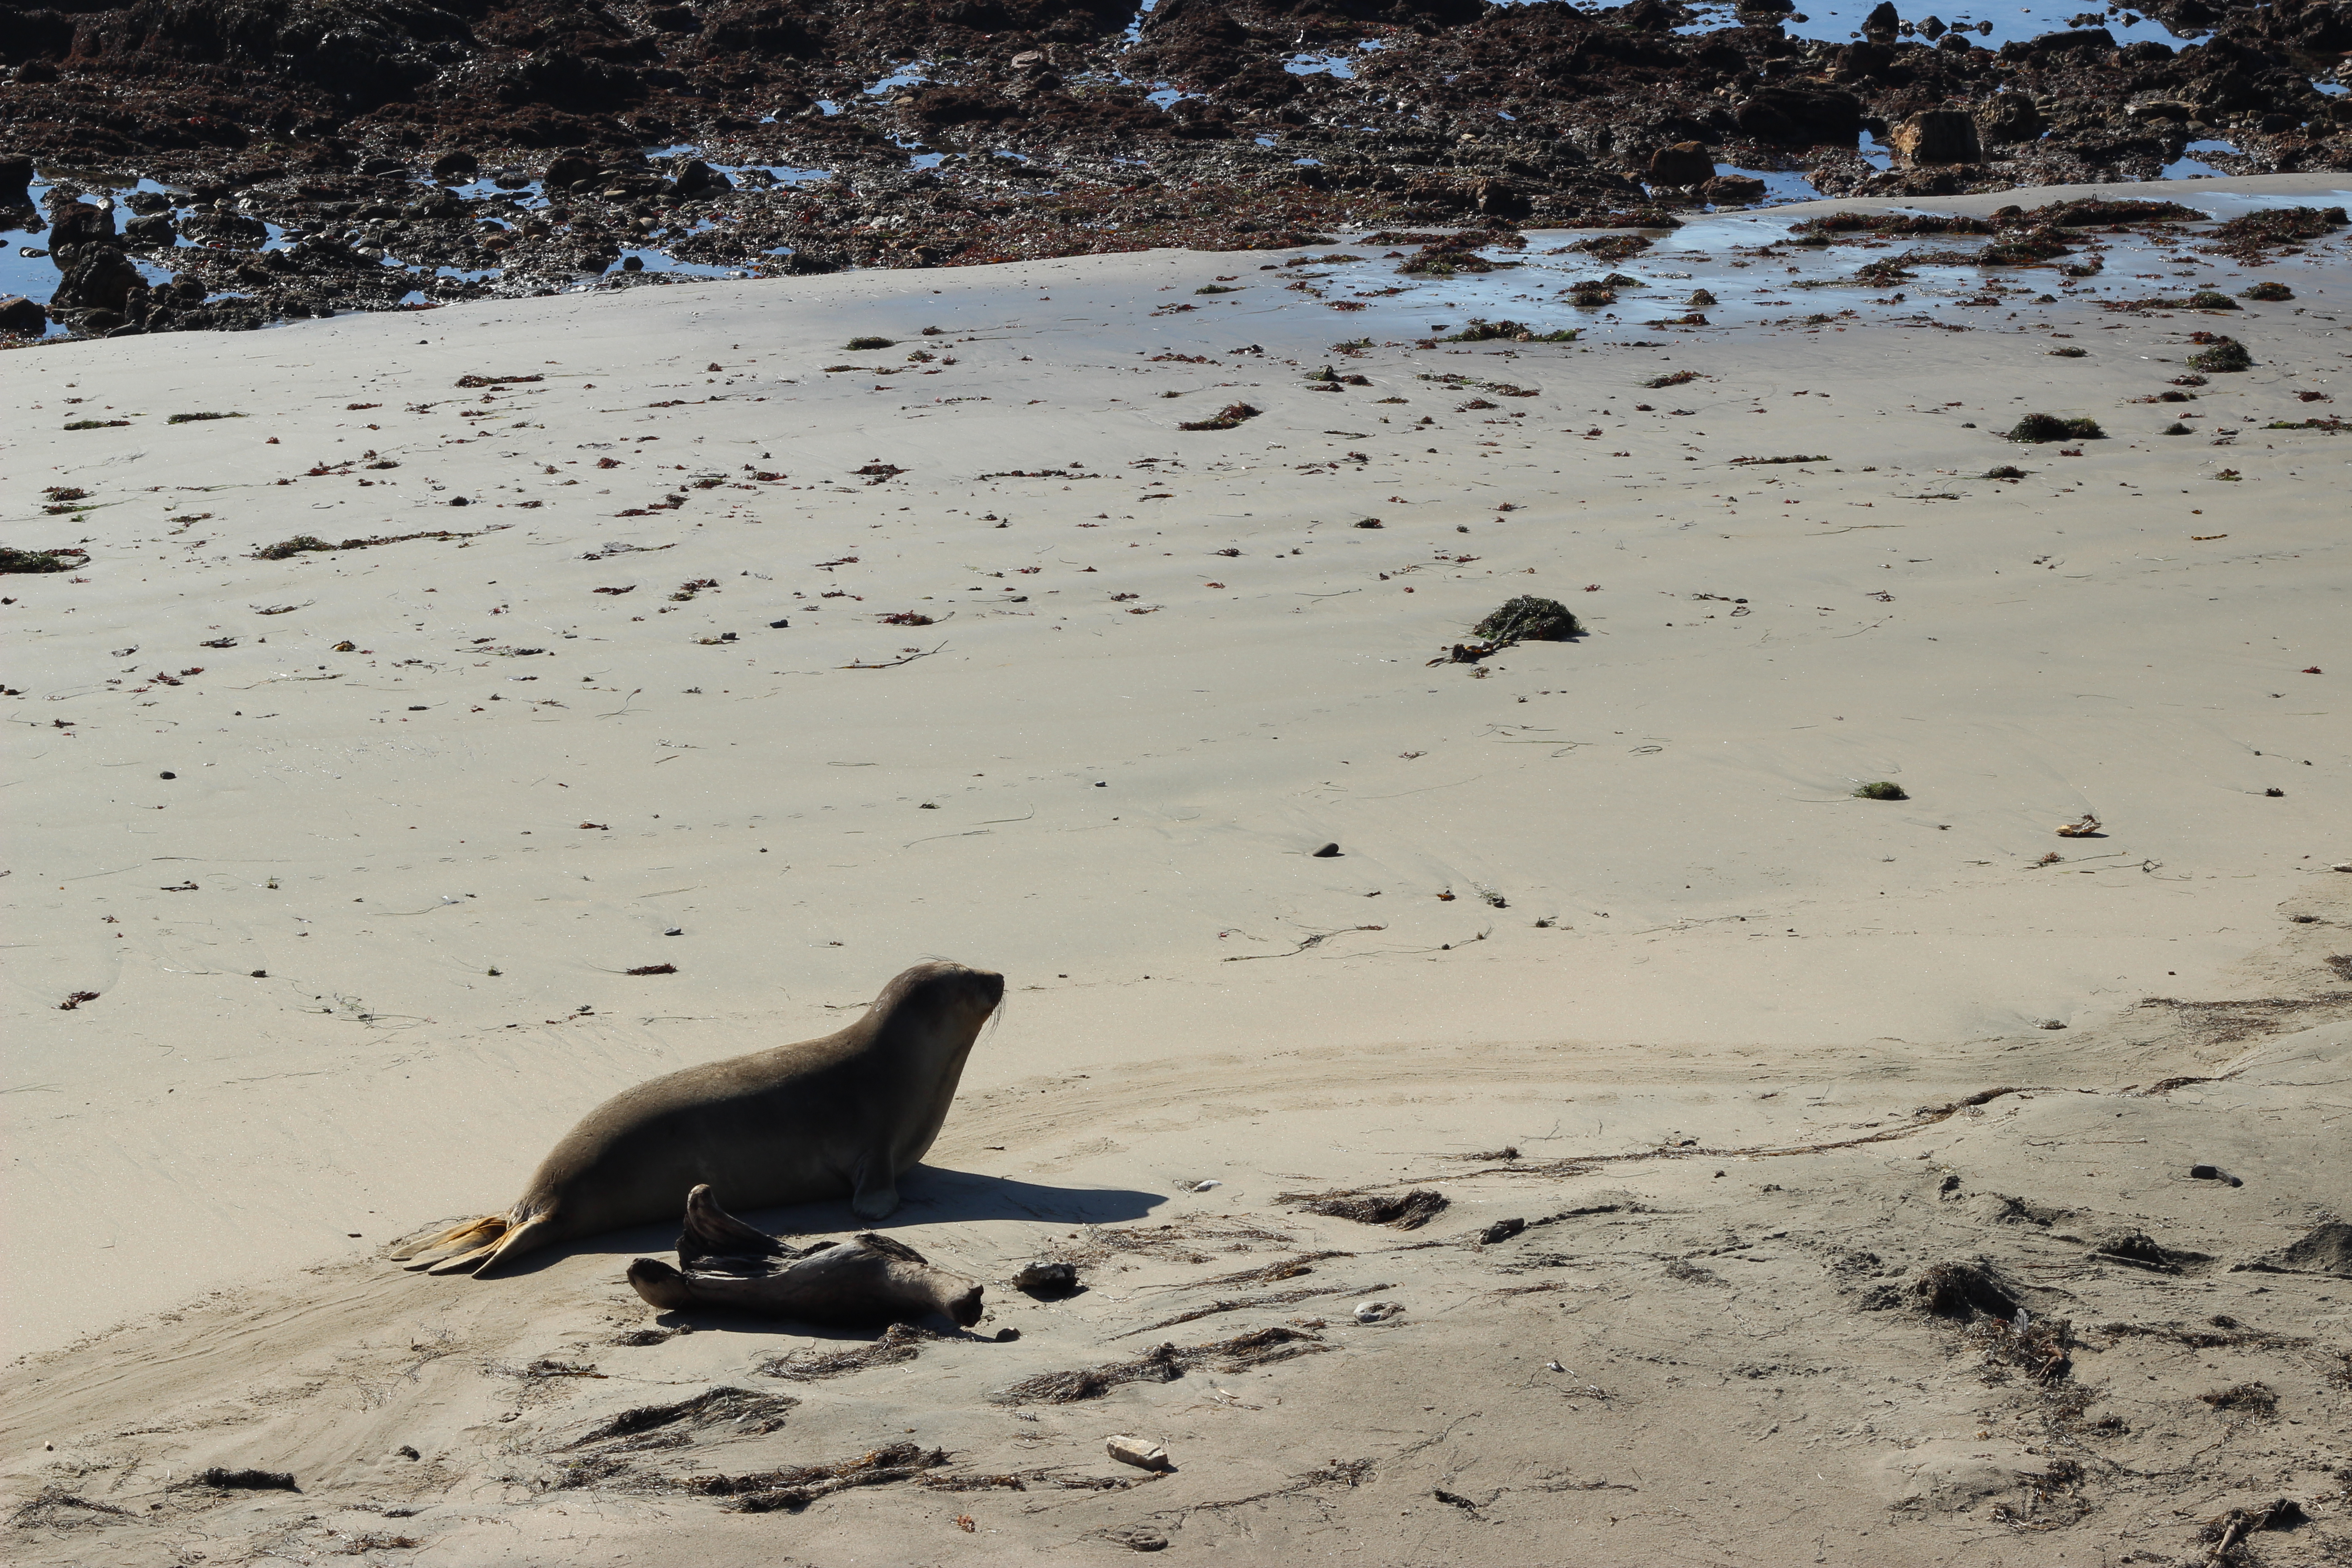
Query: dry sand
[(358, 901)]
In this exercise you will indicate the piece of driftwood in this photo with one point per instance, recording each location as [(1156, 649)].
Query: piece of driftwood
[(867, 1279)]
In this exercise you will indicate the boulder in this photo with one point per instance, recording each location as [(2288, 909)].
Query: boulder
[(692, 177), (1682, 164), (1936, 136), (2010, 117), (23, 316), (78, 223), (1883, 23), (1734, 191), (100, 278), (152, 232), (568, 170), (15, 182), (1500, 198), (459, 166), (1801, 119)]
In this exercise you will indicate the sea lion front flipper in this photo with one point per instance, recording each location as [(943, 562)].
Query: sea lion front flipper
[(874, 1192)]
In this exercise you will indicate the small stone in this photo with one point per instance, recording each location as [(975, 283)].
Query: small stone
[(167, 775), (1141, 1452), (1328, 851)]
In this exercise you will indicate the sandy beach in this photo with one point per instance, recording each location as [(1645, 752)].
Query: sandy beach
[(668, 632)]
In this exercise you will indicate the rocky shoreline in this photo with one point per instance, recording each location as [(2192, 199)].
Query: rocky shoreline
[(210, 168)]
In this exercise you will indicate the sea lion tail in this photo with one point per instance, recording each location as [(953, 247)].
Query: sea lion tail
[(458, 1239)]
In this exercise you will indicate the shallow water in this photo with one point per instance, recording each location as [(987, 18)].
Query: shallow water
[(1724, 254)]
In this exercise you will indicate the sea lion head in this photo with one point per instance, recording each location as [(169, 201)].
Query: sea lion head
[(943, 993)]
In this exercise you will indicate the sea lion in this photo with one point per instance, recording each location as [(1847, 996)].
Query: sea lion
[(844, 1115), (869, 1279)]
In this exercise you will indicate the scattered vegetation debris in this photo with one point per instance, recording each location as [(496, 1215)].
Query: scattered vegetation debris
[(862, 345), (2220, 355), (654, 969), (2037, 429), (1963, 1289), (793, 1488), (2254, 1398), (1528, 618), (1882, 789), (473, 381), (1673, 378), (1814, 457), (1163, 1363), (2235, 1526), (905, 618), (1481, 329), (898, 1342), (2005, 471), (194, 418), (307, 544), (1226, 418), (95, 424), (1398, 1211), (2069, 352), (751, 1412), (245, 1481), (51, 559), (73, 1003)]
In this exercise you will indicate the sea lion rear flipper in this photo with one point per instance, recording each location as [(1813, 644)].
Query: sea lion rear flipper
[(458, 1239), (711, 1232), (529, 1236), (874, 1193)]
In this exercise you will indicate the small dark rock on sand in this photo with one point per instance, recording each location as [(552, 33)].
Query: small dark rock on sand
[(1046, 1278)]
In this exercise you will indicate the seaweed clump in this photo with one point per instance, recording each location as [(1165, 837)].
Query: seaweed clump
[(1481, 329), (1529, 619), (2041, 428), (1884, 789), (52, 560), (2220, 355), (1398, 1211), (1226, 418)]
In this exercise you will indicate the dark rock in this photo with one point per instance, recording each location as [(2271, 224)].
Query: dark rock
[(15, 182), (74, 224), (24, 317), (459, 166), (1732, 191), (1936, 136), (1046, 1278), (1883, 21), (2009, 117), (154, 232), (1682, 164), (100, 278), (1795, 117)]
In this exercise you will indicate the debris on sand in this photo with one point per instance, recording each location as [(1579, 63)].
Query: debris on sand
[(1882, 789), (751, 1412), (2253, 1398), (1044, 1279), (1226, 418), (1481, 330), (1961, 1289), (307, 544), (793, 1488), (1528, 619), (1398, 1211), (2220, 355), (2038, 429), (245, 1481), (51, 559), (1141, 1452), (1163, 1363), (900, 1342)]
